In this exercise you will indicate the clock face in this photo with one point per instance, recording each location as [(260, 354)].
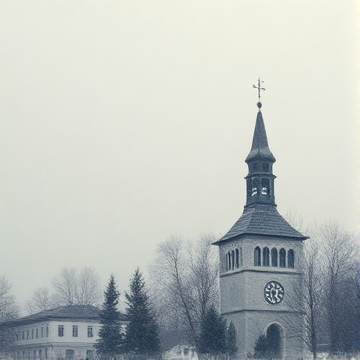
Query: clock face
[(274, 292)]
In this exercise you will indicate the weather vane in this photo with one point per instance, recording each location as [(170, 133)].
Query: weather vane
[(259, 88)]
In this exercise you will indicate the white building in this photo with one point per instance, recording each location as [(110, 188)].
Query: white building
[(68, 332)]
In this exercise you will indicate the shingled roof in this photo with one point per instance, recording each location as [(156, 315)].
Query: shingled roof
[(69, 312), (262, 219), (260, 147)]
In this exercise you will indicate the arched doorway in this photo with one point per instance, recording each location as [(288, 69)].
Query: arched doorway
[(274, 337)]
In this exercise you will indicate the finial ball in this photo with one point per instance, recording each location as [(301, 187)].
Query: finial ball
[(259, 105)]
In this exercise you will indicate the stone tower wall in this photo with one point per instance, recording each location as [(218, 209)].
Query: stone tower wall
[(242, 295)]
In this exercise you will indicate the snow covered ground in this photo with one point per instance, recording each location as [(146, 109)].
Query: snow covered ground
[(181, 352)]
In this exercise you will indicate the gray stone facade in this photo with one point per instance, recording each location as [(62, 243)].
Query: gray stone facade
[(243, 301)]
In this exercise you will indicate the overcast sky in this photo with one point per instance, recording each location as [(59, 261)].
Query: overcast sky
[(125, 122)]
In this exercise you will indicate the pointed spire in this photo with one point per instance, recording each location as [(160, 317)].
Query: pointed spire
[(260, 147)]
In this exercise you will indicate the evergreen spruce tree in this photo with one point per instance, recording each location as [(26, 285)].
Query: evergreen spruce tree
[(265, 347), (231, 347), (212, 339), (262, 349), (142, 332), (110, 339)]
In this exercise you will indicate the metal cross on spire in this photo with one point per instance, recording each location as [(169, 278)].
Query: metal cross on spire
[(259, 88)]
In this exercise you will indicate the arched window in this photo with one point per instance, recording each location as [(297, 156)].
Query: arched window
[(226, 262), (248, 187), (291, 258), (282, 258), (237, 258), (257, 256), (266, 255), (229, 260), (255, 187), (274, 261), (265, 186), (232, 259)]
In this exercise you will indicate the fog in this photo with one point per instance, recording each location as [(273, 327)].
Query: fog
[(125, 122)]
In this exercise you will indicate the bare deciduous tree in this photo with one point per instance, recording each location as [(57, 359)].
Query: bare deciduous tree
[(40, 301), (9, 310), (88, 286), (306, 297), (328, 295), (65, 287), (339, 285), (204, 275), (73, 288), (70, 287), (184, 283)]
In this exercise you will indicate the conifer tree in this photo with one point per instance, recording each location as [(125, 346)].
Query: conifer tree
[(110, 338), (266, 346), (262, 348), (212, 338), (231, 347), (142, 332)]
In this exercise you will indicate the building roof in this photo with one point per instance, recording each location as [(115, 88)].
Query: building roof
[(69, 312), (260, 147), (264, 220)]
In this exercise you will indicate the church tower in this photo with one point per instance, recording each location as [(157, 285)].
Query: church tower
[(260, 263)]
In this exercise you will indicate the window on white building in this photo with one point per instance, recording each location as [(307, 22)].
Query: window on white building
[(75, 331), (61, 330), (90, 331)]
